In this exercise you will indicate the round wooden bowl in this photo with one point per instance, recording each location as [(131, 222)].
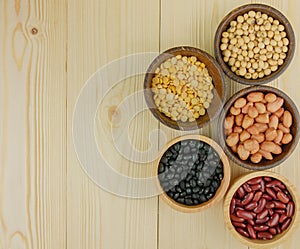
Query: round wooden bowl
[(215, 72), (286, 149), (278, 238), (270, 11), (221, 190)]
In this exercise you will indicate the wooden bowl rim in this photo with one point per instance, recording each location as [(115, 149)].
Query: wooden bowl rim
[(222, 188), (278, 239), (247, 164), (166, 120), (271, 11)]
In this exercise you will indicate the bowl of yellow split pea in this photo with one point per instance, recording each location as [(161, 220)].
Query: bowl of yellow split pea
[(184, 88)]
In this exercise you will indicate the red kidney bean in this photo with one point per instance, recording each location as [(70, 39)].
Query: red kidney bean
[(257, 196), (276, 189), (261, 228), (251, 222), (261, 208), (255, 181), (238, 224), (261, 205), (238, 202), (248, 198), (262, 214), (273, 230), (264, 235), (278, 229), (283, 197), (275, 183), (267, 197), (241, 192), (232, 206), (239, 208), (270, 205), (256, 187), (262, 221), (251, 231), (267, 179), (286, 224), (251, 206), (274, 220), (244, 214), (271, 193), (290, 209), (263, 186), (279, 205), (247, 187), (236, 219), (282, 218), (280, 211), (243, 232)]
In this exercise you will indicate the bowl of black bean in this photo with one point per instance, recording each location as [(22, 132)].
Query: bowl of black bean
[(193, 173)]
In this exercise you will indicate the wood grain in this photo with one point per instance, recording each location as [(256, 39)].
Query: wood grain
[(33, 124), (48, 49), (100, 32)]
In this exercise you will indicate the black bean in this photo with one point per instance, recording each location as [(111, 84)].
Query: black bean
[(188, 191), (180, 200), (202, 198), (196, 189), (209, 196), (189, 201), (161, 168), (177, 147), (193, 183), (207, 190), (176, 195), (187, 150), (190, 172)]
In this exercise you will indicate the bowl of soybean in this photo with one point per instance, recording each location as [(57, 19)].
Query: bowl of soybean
[(254, 44), (184, 88), (261, 209), (193, 173)]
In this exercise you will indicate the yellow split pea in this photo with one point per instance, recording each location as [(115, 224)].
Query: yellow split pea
[(182, 88)]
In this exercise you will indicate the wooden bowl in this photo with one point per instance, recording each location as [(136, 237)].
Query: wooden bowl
[(278, 238), (270, 11), (220, 191), (218, 81), (287, 149)]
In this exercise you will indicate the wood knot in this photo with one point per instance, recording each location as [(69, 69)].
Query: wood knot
[(34, 31)]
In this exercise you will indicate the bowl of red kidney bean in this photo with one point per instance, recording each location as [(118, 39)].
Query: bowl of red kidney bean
[(261, 209), (193, 173)]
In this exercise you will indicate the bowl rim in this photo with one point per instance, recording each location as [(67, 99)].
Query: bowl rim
[(272, 12), (222, 140), (147, 91), (220, 193), (262, 243)]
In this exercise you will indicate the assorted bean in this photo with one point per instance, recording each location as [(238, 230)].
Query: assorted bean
[(257, 126), (254, 45), (261, 208), (182, 88), (190, 172)]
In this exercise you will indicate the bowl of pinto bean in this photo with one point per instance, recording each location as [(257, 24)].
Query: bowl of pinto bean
[(259, 127), (261, 209)]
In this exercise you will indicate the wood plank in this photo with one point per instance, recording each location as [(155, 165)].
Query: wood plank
[(33, 124), (100, 32), (194, 24)]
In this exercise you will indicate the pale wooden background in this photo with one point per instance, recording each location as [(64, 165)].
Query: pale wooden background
[(48, 49)]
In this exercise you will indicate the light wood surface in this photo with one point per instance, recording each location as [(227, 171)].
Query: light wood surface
[(48, 50)]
